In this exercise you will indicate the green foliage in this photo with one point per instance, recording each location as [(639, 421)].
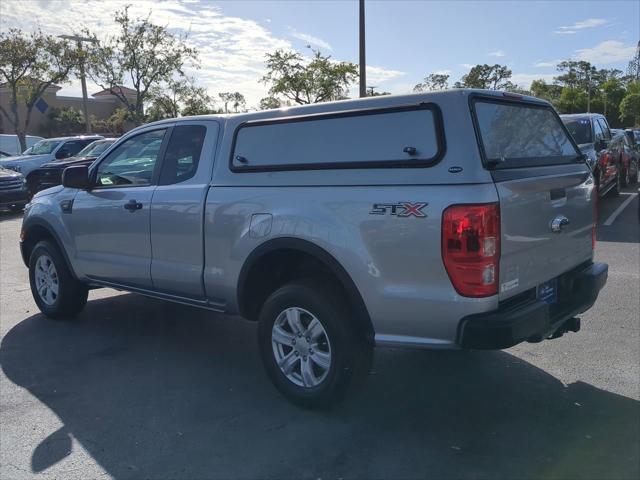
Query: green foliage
[(145, 54), (63, 121), (630, 107), (433, 82), (268, 103), (117, 124), (234, 100), (303, 82), (29, 64), (493, 77), (176, 98)]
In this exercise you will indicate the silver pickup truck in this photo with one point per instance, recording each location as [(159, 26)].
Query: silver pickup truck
[(458, 220)]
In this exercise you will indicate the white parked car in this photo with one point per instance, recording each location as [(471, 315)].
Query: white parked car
[(11, 145), (45, 151)]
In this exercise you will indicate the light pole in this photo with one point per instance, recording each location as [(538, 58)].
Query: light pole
[(83, 80), (363, 62)]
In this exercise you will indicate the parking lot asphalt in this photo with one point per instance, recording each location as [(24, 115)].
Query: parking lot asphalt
[(138, 388)]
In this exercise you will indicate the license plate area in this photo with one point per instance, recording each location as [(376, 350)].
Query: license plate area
[(548, 291)]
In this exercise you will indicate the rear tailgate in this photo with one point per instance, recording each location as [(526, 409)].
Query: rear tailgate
[(546, 192)]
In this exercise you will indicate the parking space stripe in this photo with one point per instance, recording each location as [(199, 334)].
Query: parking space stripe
[(618, 211)]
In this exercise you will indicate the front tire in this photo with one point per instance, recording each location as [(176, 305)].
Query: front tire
[(56, 292), (310, 348)]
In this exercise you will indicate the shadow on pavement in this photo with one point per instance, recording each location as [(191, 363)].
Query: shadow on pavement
[(9, 215), (156, 390)]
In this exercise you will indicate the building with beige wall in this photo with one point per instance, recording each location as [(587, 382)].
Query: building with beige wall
[(100, 105)]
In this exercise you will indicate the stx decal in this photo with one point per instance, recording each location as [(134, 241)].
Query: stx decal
[(400, 209)]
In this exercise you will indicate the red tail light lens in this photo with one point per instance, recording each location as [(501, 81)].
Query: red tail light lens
[(471, 248)]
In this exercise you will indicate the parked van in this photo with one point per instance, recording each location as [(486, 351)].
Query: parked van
[(452, 220), (11, 145)]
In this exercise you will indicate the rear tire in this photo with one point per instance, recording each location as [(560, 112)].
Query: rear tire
[(309, 345), (56, 292)]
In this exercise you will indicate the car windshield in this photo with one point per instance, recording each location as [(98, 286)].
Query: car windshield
[(94, 149), (44, 147), (580, 129)]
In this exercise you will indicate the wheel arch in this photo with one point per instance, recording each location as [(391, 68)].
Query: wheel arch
[(35, 230), (286, 245)]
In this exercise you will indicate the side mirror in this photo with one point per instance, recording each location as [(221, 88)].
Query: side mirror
[(62, 153), (76, 177)]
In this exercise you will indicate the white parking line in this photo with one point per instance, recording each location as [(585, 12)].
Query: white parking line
[(618, 211)]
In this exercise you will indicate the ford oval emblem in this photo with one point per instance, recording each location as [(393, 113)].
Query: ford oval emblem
[(455, 169)]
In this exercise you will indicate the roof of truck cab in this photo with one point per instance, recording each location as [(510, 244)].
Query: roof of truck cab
[(75, 137), (582, 115), (354, 104)]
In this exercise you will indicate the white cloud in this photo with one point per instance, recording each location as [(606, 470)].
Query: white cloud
[(310, 40), (524, 79), (607, 52), (545, 64), (467, 65), (581, 25), (231, 49), (377, 75), (446, 71), (497, 53)]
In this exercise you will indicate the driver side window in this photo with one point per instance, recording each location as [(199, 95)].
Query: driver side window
[(131, 163)]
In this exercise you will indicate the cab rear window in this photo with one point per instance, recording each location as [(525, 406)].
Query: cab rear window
[(405, 136), (521, 135)]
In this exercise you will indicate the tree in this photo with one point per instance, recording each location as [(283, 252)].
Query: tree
[(303, 82), (630, 104), (493, 77), (63, 121), (234, 99), (117, 124), (633, 69), (29, 65), (144, 54), (547, 91), (267, 103), (178, 97), (630, 108), (579, 76), (432, 82)]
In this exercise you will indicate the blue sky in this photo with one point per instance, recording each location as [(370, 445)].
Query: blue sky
[(405, 39)]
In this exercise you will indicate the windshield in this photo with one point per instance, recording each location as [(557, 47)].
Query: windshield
[(519, 135), (43, 147), (580, 129), (94, 149)]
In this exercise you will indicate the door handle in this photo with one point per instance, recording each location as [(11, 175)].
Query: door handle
[(132, 205)]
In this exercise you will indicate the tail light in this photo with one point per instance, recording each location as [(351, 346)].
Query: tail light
[(471, 248)]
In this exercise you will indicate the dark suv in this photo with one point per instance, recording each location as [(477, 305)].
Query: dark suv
[(592, 134), (50, 174)]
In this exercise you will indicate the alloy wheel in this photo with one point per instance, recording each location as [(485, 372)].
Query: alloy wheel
[(46, 277), (301, 347)]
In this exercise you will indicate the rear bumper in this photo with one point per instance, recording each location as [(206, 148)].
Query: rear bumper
[(534, 320)]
